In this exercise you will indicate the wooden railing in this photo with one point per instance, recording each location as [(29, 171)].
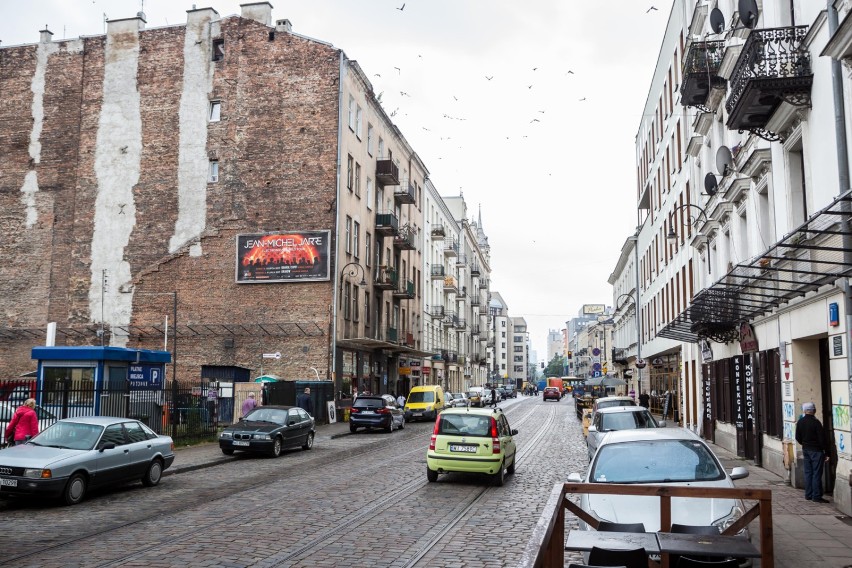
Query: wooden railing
[(546, 547)]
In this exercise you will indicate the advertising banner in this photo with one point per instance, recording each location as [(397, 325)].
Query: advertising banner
[(300, 256)]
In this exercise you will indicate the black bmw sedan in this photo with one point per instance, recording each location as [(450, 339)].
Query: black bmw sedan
[(269, 430)]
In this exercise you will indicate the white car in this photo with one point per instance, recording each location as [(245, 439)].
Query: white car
[(459, 400), (658, 456), (618, 418)]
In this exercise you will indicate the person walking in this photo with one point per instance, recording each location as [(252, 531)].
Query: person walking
[(644, 400), (305, 402), (23, 425), (811, 435), (400, 401), (493, 397), (249, 404)]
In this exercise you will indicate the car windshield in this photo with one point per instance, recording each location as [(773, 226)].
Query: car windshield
[(655, 461), (274, 415), (426, 396), (69, 435), (464, 425), (627, 421)]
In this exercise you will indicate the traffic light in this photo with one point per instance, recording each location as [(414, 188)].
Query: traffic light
[(542, 364), (570, 354)]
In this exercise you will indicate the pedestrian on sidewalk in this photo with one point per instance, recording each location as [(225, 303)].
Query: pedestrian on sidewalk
[(400, 401), (249, 404), (493, 397), (24, 424), (644, 400), (811, 435), (305, 402)]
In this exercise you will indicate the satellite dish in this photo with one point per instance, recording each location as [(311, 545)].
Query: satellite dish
[(724, 161), (717, 21), (710, 184), (748, 13)]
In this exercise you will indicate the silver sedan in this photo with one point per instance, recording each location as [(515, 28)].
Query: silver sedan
[(76, 454)]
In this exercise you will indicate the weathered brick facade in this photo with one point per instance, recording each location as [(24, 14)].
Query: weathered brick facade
[(118, 189)]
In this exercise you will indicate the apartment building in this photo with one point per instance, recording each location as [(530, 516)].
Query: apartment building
[(519, 349), (499, 362)]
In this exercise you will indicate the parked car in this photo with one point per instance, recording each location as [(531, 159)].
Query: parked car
[(659, 456), (474, 395), (472, 440), (7, 411), (269, 430), (618, 418), (485, 398), (76, 454), (551, 393), (376, 411), (609, 401), (424, 402), (511, 391), (459, 400)]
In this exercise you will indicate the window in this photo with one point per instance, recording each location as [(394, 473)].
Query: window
[(356, 245), (114, 434), (218, 49), (380, 196), (350, 172), (351, 113), (368, 248), (370, 140), (354, 302), (347, 299), (135, 432), (366, 308), (369, 195), (215, 111), (381, 148), (213, 172), (503, 334), (358, 115), (348, 234), (357, 179)]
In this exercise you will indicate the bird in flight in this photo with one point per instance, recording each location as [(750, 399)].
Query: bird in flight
[(401, 8), (403, 94), (426, 129), (534, 120), (398, 70), (541, 111), (529, 87), (535, 68), (646, 11), (455, 98), (569, 72), (583, 99), (376, 75), (489, 78)]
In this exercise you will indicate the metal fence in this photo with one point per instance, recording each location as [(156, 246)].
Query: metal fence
[(184, 412)]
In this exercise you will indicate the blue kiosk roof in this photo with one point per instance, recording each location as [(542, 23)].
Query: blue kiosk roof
[(91, 353)]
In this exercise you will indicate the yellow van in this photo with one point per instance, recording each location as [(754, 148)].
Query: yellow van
[(424, 402)]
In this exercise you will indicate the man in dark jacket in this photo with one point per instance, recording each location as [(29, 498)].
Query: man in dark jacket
[(811, 435), (305, 402)]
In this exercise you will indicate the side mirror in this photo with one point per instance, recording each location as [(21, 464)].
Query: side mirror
[(111, 446), (593, 428), (662, 423), (574, 478), (514, 432), (739, 473)]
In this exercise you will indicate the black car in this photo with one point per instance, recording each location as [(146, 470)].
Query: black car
[(269, 430), (375, 411)]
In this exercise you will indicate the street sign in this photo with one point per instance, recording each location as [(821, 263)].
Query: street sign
[(596, 374), (276, 355), (596, 366), (596, 351)]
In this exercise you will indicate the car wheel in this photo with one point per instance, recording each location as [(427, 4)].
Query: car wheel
[(227, 451), (389, 428), (402, 424), (276, 448), (353, 428), (154, 474), (500, 476), (511, 469), (309, 441), (431, 476), (75, 490)]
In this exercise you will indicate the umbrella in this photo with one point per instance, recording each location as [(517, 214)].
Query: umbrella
[(596, 382), (266, 379)]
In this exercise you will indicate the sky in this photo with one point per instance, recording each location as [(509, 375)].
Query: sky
[(528, 109)]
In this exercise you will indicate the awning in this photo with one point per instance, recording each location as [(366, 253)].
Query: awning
[(816, 254), (370, 344)]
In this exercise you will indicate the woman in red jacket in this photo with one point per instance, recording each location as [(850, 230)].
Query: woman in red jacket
[(24, 424)]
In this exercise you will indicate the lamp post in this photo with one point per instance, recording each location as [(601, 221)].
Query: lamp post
[(672, 235), (638, 331), (349, 269)]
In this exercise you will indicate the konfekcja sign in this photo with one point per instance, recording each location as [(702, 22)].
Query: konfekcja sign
[(296, 256)]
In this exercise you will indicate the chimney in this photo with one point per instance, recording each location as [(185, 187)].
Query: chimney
[(257, 11), (125, 25), (283, 26), (46, 35), (201, 15)]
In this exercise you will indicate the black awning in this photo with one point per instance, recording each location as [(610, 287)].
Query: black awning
[(816, 254)]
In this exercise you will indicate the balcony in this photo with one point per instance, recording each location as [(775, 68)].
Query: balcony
[(773, 68), (701, 73), (405, 290), (483, 283), (620, 355), (392, 334), (437, 312), (461, 260), (437, 272), (462, 293), (475, 300), (450, 356), (386, 278), (450, 319), (438, 232), (451, 247), (405, 193), (387, 224), (474, 330), (387, 173), (461, 324), (406, 238), (474, 269), (451, 284)]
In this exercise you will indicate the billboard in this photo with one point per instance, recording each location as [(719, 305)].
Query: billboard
[(296, 256), (593, 309)]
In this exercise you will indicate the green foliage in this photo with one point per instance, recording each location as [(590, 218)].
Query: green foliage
[(556, 367)]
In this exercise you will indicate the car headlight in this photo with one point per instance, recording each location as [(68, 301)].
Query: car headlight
[(226, 435), (724, 522), (37, 473), (429, 408), (262, 437)]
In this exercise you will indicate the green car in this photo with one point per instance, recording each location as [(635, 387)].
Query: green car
[(472, 440)]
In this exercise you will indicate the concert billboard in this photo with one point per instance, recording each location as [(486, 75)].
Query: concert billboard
[(292, 256)]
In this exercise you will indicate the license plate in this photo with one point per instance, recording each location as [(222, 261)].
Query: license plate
[(241, 443), (459, 448), (8, 482), (368, 412), (417, 414)]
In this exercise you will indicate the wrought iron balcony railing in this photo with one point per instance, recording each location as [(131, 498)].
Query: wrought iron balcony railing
[(387, 224), (405, 290), (701, 72), (474, 269), (386, 278), (406, 238), (451, 247), (437, 272), (438, 231), (773, 67), (451, 284), (387, 173), (405, 193), (437, 311)]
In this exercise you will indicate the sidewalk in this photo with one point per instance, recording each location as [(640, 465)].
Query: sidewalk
[(805, 533)]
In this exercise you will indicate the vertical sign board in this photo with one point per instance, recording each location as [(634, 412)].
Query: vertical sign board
[(738, 380), (749, 393)]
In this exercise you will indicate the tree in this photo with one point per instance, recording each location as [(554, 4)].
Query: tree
[(556, 367)]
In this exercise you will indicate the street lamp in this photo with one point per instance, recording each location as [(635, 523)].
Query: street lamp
[(672, 235), (352, 272)]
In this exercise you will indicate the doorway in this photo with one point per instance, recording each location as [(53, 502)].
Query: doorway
[(829, 474)]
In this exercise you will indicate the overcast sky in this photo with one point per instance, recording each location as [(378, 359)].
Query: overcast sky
[(529, 109)]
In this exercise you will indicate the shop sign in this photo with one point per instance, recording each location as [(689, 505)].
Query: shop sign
[(706, 351), (833, 315), (405, 370), (427, 370), (708, 401), (743, 384), (146, 376), (748, 339), (415, 363), (593, 309)]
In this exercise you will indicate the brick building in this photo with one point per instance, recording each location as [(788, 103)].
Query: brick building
[(228, 172)]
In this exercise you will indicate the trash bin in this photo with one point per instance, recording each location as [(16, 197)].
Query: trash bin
[(345, 414)]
